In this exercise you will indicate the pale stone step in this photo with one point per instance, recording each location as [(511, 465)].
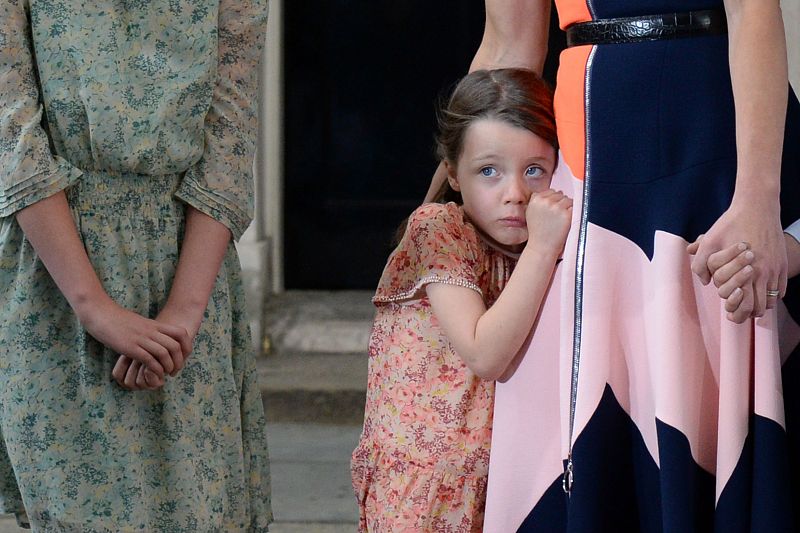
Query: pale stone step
[(318, 321), (314, 387)]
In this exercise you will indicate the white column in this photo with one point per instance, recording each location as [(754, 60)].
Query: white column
[(272, 147), (261, 247), (791, 19)]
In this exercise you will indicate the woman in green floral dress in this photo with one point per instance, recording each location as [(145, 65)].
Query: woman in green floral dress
[(127, 134)]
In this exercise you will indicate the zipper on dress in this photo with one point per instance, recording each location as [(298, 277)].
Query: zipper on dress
[(569, 476)]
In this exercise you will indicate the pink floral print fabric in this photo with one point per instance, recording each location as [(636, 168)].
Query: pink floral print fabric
[(422, 461)]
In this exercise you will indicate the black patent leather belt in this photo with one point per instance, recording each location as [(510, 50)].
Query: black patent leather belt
[(648, 28)]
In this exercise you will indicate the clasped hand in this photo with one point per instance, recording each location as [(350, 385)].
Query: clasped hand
[(152, 349), (744, 255), (548, 217)]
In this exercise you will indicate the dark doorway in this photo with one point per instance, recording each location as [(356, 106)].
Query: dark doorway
[(362, 79)]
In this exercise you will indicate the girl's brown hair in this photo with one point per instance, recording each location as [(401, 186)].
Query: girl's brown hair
[(516, 96)]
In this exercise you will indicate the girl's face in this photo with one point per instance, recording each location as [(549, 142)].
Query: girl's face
[(499, 168)]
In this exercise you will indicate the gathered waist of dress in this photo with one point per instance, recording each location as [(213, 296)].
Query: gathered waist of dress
[(114, 192)]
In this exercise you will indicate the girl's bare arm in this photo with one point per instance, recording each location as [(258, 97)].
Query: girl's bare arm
[(489, 340)]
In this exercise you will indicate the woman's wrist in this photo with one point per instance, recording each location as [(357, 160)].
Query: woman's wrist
[(761, 188), (188, 305), (763, 201), (90, 306)]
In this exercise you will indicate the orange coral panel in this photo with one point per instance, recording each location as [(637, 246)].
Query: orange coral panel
[(570, 108), (571, 11)]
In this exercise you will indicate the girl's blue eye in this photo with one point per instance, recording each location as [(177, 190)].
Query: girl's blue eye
[(534, 172), (488, 171)]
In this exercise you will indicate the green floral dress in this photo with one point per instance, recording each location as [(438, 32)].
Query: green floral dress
[(136, 108)]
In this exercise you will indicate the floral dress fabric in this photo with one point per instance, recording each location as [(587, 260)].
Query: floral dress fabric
[(136, 109), (422, 460)]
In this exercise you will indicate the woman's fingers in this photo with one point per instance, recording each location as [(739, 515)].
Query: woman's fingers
[(158, 351), (140, 381), (175, 351), (759, 295), (143, 381), (152, 380), (179, 334), (138, 353), (131, 374), (767, 289), (120, 369), (775, 290), (771, 298)]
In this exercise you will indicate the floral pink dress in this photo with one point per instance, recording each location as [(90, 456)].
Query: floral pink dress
[(421, 464)]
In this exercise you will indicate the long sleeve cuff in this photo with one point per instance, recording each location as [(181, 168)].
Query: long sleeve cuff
[(38, 187), (794, 230), (214, 205)]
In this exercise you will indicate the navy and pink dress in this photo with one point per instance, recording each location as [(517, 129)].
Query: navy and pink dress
[(677, 419)]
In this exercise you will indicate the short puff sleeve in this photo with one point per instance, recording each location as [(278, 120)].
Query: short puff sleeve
[(439, 246), (29, 171), (220, 184)]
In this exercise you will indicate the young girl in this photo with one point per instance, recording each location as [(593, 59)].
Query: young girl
[(127, 133), (451, 316)]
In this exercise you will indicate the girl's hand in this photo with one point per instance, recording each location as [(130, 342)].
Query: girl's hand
[(549, 215), (732, 274), (757, 224), (153, 344)]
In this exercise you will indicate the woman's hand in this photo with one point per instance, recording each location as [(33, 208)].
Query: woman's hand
[(204, 246), (132, 375), (732, 274), (154, 344), (757, 224)]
